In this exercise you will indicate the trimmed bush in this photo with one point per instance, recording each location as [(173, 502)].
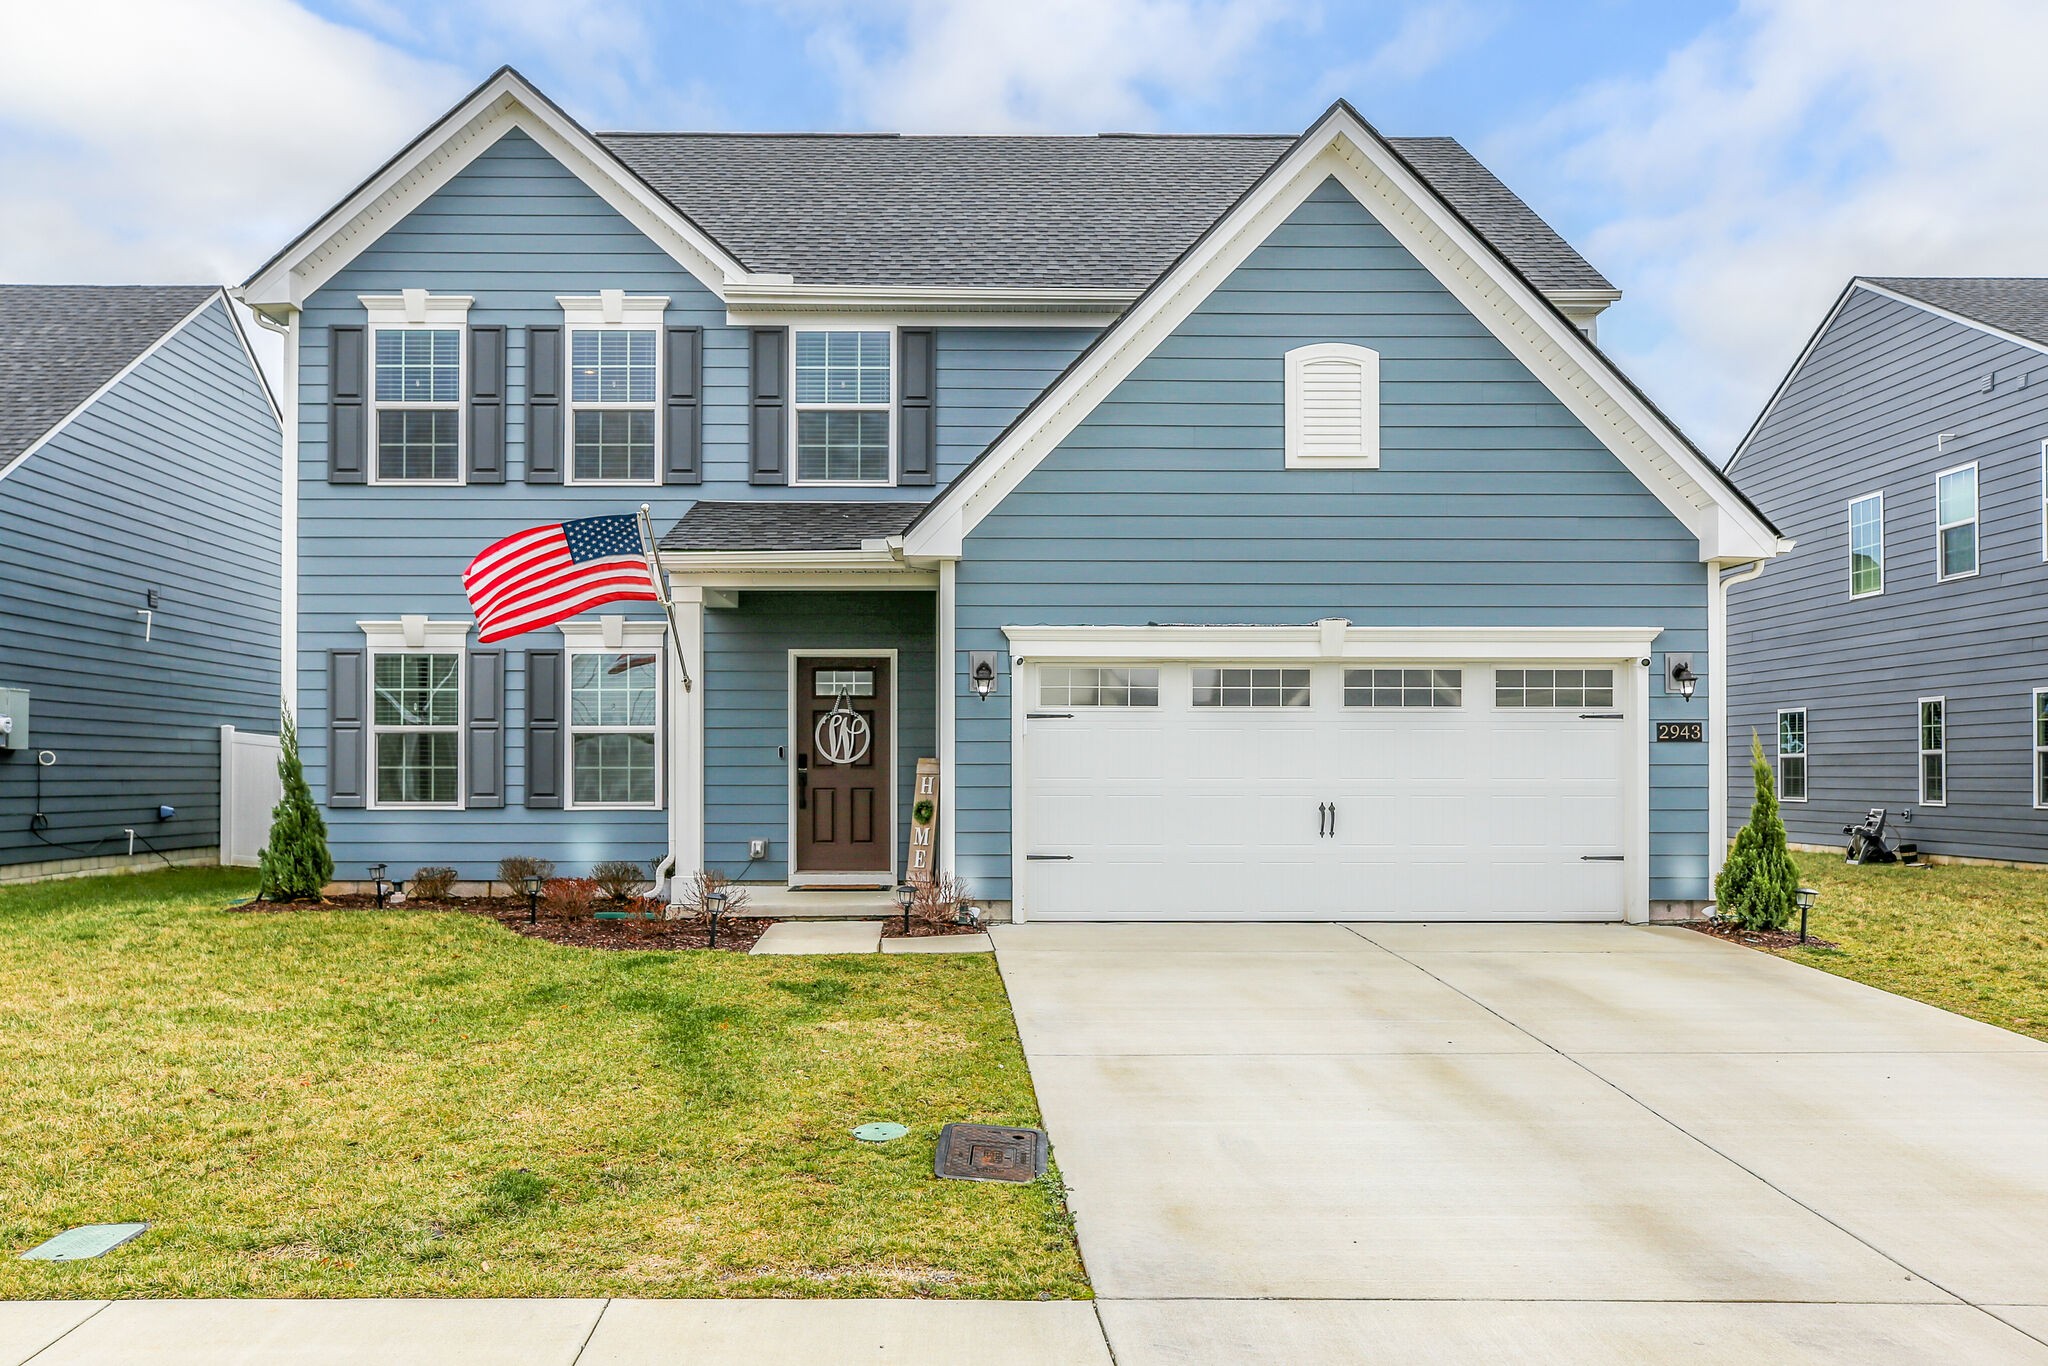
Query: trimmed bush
[(619, 879), (296, 864), (514, 869), (1756, 886), (432, 883), (570, 897)]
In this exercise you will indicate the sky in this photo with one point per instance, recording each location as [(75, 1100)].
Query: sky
[(1727, 163)]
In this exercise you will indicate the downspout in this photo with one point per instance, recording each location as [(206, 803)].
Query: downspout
[(1717, 716)]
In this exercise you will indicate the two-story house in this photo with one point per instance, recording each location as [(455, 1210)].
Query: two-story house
[(1900, 657), (140, 573), (1248, 527)]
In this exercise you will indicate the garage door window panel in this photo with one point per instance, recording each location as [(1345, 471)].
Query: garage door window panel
[(1088, 685), (1404, 687), (1537, 688), (1250, 687)]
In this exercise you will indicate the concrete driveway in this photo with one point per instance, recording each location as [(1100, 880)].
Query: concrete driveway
[(1529, 1144)]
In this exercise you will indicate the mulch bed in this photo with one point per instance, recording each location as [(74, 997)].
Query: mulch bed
[(736, 934), (1760, 939)]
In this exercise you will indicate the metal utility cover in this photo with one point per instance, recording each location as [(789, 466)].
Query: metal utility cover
[(988, 1152), (77, 1244)]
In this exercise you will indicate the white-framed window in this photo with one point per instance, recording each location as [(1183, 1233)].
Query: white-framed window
[(842, 410), (1098, 685), (843, 683), (1332, 410), (2038, 722), (1404, 687), (1934, 751), (1955, 523), (419, 372), (1792, 755), (416, 728), (614, 728), (1548, 687), (1250, 686), (613, 345), (1866, 546)]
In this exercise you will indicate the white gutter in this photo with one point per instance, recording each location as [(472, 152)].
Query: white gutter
[(1717, 712)]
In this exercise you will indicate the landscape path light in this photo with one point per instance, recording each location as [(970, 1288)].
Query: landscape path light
[(1804, 898), (377, 871), (906, 897), (714, 907), (532, 883)]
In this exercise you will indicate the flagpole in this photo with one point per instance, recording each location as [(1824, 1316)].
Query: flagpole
[(661, 589)]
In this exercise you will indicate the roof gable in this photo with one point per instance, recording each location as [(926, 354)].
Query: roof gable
[(1344, 148), (61, 346)]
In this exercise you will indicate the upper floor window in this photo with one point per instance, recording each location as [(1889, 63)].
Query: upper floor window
[(1866, 546), (1955, 522), (613, 387), (1333, 407), (416, 386), (843, 404)]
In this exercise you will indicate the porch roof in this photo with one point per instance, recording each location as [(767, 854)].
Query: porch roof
[(772, 525)]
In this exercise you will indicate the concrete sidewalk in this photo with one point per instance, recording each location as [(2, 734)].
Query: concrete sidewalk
[(549, 1333)]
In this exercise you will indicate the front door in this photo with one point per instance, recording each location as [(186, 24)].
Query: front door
[(842, 758)]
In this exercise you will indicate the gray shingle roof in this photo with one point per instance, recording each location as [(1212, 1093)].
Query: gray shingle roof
[(59, 343), (1110, 211), (2012, 303), (787, 526)]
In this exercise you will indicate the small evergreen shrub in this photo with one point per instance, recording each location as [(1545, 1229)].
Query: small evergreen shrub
[(514, 869), (432, 883), (1756, 886), (619, 879), (296, 864)]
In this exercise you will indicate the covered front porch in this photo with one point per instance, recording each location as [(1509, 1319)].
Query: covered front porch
[(816, 691)]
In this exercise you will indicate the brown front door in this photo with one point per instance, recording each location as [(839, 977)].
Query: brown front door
[(842, 766)]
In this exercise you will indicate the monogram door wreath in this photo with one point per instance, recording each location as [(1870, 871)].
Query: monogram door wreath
[(843, 734)]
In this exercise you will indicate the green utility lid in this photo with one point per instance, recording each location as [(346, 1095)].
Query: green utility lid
[(77, 1244), (880, 1132)]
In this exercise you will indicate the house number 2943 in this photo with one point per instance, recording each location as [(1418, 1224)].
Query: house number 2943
[(1681, 730)]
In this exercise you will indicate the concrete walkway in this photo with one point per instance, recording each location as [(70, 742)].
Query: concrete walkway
[(1570, 1144)]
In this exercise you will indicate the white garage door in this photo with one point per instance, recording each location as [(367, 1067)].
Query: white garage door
[(1456, 790)]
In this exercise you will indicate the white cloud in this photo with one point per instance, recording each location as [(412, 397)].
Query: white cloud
[(1796, 144), (1429, 34), (1051, 65)]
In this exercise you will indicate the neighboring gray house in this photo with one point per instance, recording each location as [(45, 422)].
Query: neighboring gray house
[(1899, 656), (1246, 526), (140, 571)]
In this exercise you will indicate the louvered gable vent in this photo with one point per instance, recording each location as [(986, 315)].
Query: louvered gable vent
[(1333, 407)]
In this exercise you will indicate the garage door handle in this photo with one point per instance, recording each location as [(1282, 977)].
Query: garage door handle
[(1048, 716), (1333, 820), (1602, 858), (1602, 716), (1322, 819), (1048, 858)]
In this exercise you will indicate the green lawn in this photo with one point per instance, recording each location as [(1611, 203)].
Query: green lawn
[(418, 1103), (1968, 939)]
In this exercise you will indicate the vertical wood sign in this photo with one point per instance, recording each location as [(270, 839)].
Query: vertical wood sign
[(922, 865)]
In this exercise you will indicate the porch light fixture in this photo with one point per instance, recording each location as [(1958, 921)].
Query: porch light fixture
[(714, 907), (1804, 899), (1682, 676), (906, 897), (983, 677), (377, 882), (532, 883)]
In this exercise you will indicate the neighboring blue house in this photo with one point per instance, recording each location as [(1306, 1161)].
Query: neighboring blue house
[(1900, 657), (1247, 526), (140, 572)]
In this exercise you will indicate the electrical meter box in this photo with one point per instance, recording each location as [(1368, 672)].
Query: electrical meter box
[(13, 718)]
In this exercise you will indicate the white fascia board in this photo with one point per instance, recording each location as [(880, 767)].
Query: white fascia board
[(753, 303), (217, 296), (1314, 640), (795, 569), (1543, 340), (500, 105), (416, 633)]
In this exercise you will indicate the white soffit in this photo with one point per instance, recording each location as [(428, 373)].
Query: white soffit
[(1553, 350)]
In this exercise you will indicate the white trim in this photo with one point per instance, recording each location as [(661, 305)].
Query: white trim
[(2044, 500), (460, 729), (1850, 513), (613, 632), (1388, 644), (772, 301), (417, 308), (796, 569), (948, 712), (1304, 454), (1960, 318), (796, 409), (1921, 753), (1531, 329), (288, 623), (1717, 711), (2040, 749), (842, 878), (1974, 521), (1778, 755), (130, 368), (613, 308), (614, 313), (416, 633), (504, 102), (611, 635), (686, 735)]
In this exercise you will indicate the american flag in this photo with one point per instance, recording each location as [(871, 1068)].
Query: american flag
[(540, 576)]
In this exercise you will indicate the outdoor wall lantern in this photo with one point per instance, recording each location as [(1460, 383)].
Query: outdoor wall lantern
[(1804, 899), (981, 672), (714, 907), (377, 882), (532, 883), (1678, 675), (906, 897)]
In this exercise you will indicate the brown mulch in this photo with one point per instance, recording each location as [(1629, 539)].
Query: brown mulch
[(1760, 939), (735, 933)]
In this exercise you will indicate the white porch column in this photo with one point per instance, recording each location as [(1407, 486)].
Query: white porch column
[(948, 671), (686, 736)]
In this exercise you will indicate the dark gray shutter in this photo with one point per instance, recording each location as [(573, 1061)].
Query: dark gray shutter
[(768, 437), (917, 428), (347, 733), (545, 705), (544, 411), (485, 735), (348, 409), (486, 405), (682, 462)]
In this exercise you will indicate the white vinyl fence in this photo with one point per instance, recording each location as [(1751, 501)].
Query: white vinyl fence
[(249, 792)]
